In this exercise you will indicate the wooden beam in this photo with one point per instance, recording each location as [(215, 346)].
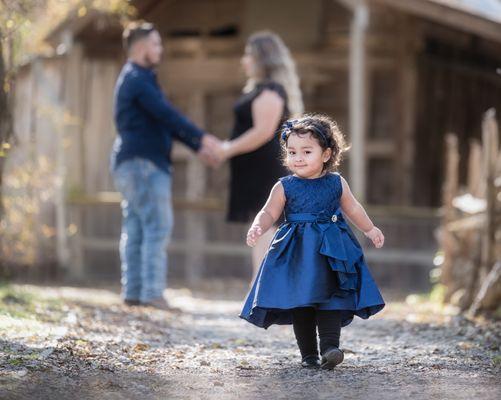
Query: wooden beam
[(390, 256), (380, 148), (415, 257), (114, 199), (223, 73), (470, 222)]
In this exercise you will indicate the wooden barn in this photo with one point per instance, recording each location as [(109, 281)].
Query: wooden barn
[(396, 75)]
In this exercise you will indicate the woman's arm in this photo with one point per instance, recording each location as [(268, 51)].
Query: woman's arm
[(268, 215), (356, 213), (267, 110)]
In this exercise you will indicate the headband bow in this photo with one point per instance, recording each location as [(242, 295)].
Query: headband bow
[(287, 128)]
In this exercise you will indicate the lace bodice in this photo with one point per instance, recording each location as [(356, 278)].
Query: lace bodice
[(312, 195)]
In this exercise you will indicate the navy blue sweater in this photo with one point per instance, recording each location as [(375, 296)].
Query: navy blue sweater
[(145, 120)]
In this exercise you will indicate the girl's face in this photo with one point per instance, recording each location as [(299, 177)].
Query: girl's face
[(249, 63), (305, 156)]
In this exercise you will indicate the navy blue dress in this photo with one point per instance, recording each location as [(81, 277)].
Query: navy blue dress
[(314, 260)]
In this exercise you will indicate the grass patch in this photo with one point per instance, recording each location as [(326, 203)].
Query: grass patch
[(437, 293), (16, 303), (16, 362), (21, 303), (436, 296)]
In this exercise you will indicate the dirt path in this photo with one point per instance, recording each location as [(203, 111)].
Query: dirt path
[(79, 343)]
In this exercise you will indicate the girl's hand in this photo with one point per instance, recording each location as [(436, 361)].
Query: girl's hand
[(376, 236), (253, 235)]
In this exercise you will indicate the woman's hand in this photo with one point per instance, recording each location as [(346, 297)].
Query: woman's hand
[(253, 235), (222, 153), (376, 236), (226, 150)]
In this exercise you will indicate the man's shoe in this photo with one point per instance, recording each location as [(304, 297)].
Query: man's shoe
[(331, 358), (310, 362), (131, 303), (159, 303)]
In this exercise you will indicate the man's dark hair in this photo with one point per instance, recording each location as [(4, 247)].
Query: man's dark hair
[(136, 31)]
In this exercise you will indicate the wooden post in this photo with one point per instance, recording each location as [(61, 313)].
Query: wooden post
[(407, 95), (475, 182), (34, 102), (73, 101), (449, 191), (63, 255), (196, 185), (490, 149), (490, 140), (358, 98), (487, 276)]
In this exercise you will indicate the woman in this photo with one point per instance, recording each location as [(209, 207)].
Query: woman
[(271, 95)]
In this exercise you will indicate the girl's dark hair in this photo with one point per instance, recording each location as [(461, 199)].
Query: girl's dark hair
[(324, 130), (136, 31)]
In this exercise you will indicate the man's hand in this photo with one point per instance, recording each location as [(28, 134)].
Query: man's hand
[(210, 151)]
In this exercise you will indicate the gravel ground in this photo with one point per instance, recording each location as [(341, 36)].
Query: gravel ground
[(69, 343)]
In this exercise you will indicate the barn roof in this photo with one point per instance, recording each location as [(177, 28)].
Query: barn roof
[(479, 17), (488, 9), (100, 22)]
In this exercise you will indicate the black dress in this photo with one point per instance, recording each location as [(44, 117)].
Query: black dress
[(254, 174)]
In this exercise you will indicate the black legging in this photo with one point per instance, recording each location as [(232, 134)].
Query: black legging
[(305, 321)]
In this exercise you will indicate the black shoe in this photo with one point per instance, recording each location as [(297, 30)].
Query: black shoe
[(310, 362), (130, 302), (331, 358)]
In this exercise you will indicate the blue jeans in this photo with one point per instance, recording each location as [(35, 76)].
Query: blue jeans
[(146, 228)]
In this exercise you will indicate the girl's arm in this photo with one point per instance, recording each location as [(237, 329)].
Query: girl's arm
[(268, 215), (356, 213), (267, 109)]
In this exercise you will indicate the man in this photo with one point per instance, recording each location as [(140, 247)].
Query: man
[(147, 123)]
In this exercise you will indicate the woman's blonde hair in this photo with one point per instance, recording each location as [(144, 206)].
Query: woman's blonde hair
[(274, 63)]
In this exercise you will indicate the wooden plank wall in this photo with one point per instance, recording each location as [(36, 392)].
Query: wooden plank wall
[(201, 75), (458, 83), (31, 174)]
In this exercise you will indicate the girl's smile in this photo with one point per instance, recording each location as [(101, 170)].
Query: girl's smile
[(305, 156)]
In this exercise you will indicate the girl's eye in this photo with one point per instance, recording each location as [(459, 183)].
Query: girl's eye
[(308, 152), (292, 153)]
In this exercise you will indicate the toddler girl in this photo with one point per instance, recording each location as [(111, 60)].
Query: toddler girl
[(314, 274)]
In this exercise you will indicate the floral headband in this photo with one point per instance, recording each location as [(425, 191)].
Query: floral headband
[(287, 127)]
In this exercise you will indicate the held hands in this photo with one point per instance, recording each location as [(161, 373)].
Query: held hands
[(253, 235), (224, 151), (210, 151), (376, 236), (214, 151)]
